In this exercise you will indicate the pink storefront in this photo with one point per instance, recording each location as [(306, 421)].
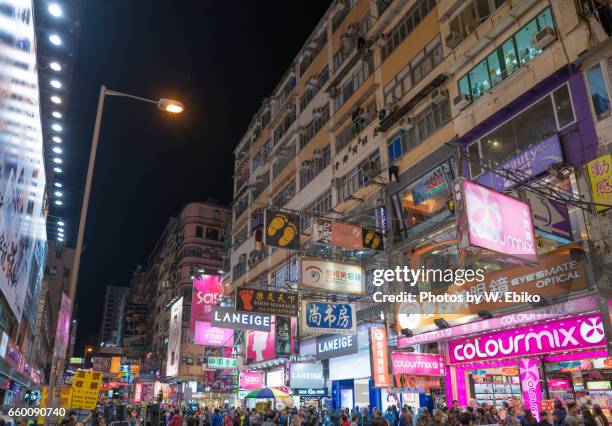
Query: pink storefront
[(529, 364)]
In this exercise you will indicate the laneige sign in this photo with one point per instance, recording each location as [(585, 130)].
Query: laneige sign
[(336, 345), (229, 318), (306, 375)]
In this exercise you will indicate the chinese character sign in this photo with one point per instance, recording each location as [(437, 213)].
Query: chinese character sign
[(267, 302), (206, 294), (600, 176), (85, 389), (336, 277), (380, 357), (328, 318), (222, 363)]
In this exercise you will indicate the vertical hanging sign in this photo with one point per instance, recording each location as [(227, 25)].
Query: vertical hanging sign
[(529, 373), (380, 357)]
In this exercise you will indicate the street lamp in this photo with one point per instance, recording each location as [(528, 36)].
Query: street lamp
[(167, 105)]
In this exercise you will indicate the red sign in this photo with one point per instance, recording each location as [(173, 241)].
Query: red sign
[(380, 357), (347, 235)]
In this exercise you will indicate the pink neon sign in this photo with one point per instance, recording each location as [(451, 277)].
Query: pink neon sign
[(498, 222), (529, 374), (417, 364), (206, 334), (577, 333), (251, 380), (558, 383), (206, 293)]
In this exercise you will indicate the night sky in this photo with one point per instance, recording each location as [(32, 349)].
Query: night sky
[(221, 59)]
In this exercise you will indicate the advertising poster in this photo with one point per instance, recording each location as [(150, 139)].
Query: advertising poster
[(174, 339), (252, 380), (206, 293), (207, 335), (600, 177), (336, 277), (62, 332), (261, 345), (529, 375), (491, 222), (380, 357), (283, 336), (306, 375), (282, 229), (267, 302), (328, 318)]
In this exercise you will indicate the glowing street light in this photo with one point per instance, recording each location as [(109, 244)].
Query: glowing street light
[(56, 139), (170, 105), (56, 114), (56, 127), (57, 150), (55, 66), (56, 84), (56, 99), (55, 10), (57, 169), (55, 39)]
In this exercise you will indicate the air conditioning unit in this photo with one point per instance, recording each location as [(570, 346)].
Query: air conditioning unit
[(316, 112), (543, 38), (313, 82), (353, 28), (370, 169), (382, 40), (453, 39), (340, 6), (439, 95), (301, 130), (461, 101), (334, 91), (306, 164), (347, 40), (313, 45), (406, 123), (336, 182)]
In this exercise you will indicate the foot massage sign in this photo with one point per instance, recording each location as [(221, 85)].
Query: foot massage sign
[(282, 229)]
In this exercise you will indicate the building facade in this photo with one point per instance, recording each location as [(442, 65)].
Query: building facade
[(385, 109), (113, 315)]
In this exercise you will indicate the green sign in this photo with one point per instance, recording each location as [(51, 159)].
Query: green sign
[(222, 363), (75, 360)]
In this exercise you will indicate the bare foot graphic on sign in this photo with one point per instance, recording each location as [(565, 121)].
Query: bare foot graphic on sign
[(246, 296)]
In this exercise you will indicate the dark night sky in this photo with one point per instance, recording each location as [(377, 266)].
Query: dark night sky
[(221, 59)]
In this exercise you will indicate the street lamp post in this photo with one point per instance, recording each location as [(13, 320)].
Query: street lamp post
[(168, 105)]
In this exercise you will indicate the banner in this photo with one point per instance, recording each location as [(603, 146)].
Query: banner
[(336, 277), (62, 332), (229, 318), (579, 332), (529, 375), (206, 334), (206, 293), (493, 223), (335, 346), (328, 318), (600, 177), (380, 357), (85, 389), (282, 229), (283, 336), (304, 375), (174, 339), (267, 302), (417, 364), (252, 380)]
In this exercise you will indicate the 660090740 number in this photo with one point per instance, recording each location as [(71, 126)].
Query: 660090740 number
[(35, 412)]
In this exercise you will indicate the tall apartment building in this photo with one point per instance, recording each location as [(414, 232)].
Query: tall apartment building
[(388, 102), (111, 328), (191, 244)]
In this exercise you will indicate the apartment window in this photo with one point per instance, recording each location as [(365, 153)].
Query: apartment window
[(529, 127), (600, 96), (506, 59), (284, 195), (199, 231), (285, 91), (315, 125), (265, 118), (361, 118), (241, 236), (51, 270), (192, 252), (280, 131), (408, 23), (313, 167), (394, 148), (431, 119), (262, 155), (66, 272), (216, 214), (357, 178), (361, 74), (187, 292), (202, 212), (212, 234), (58, 254), (285, 155)]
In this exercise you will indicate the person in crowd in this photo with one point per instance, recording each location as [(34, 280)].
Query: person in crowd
[(437, 418), (511, 419), (559, 413), (544, 419), (587, 417), (216, 419), (465, 419), (405, 418), (177, 419), (378, 419), (389, 416), (572, 418), (455, 409), (344, 421), (528, 419), (600, 417), (312, 419), (494, 415)]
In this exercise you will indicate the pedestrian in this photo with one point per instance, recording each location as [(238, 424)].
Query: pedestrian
[(344, 421), (587, 418), (572, 418), (216, 419), (528, 419), (600, 417), (378, 419), (511, 419), (559, 413), (494, 415), (544, 419)]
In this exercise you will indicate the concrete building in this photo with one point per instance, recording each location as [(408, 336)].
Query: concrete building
[(191, 244), (111, 328), (387, 103)]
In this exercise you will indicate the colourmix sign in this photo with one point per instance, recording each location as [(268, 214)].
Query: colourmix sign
[(583, 332), (417, 364)]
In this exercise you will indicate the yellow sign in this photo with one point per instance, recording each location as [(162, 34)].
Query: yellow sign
[(65, 397), (85, 389), (44, 393), (600, 176)]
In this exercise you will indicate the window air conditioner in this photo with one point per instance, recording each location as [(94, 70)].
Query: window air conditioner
[(439, 95), (313, 82), (453, 39), (316, 112), (543, 38), (406, 123), (347, 40), (301, 130), (461, 101), (382, 40), (336, 182)]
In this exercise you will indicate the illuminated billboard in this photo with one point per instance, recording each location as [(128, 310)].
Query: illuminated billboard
[(174, 339)]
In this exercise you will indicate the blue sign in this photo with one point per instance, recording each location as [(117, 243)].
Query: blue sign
[(529, 163), (328, 318)]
